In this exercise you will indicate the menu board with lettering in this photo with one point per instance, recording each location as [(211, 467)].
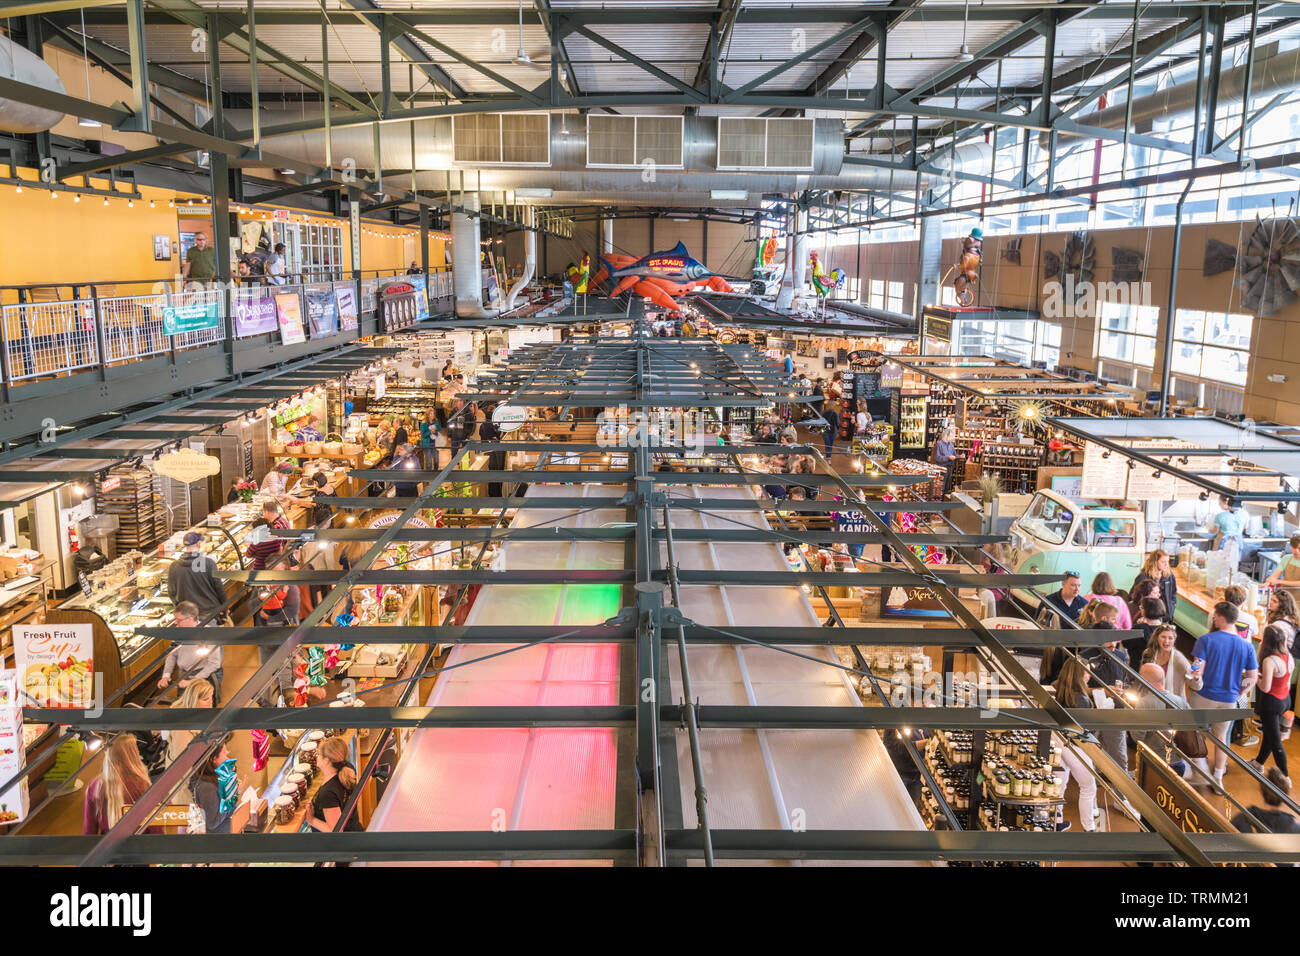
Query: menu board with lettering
[(1105, 473), (1211, 466), (1143, 485)]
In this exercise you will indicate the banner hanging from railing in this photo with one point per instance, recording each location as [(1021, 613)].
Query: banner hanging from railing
[(345, 300), (289, 308), (255, 316), (179, 319), (322, 311)]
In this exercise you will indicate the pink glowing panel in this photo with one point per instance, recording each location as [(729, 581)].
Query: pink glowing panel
[(521, 779)]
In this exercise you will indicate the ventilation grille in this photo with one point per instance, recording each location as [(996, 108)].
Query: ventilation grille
[(511, 139), (765, 143), (630, 141)]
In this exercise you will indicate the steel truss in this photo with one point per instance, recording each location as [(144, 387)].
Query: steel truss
[(649, 626), (1050, 105)]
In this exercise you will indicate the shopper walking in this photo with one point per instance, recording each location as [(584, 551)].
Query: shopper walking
[(123, 779), (198, 695), (200, 261), (1156, 568), (1071, 689), (277, 270), (193, 578), (1067, 601), (190, 662), (1173, 663), (1103, 589), (1227, 668), (831, 431), (205, 789), (944, 454), (1275, 667)]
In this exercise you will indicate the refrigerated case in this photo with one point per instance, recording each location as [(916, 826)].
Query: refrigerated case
[(1014, 335)]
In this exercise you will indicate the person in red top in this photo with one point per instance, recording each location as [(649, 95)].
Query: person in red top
[(1275, 666), (121, 782)]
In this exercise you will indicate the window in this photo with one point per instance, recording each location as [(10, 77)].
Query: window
[(1127, 333), (1048, 348), (310, 250), (895, 303), (877, 298), (1047, 520), (1212, 345)]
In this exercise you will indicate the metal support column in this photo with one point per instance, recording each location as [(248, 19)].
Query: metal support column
[(1167, 344)]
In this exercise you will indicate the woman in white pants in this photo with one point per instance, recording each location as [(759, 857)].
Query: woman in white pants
[(1072, 692), (1081, 769)]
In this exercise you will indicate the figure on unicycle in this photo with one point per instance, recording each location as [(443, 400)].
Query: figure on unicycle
[(968, 267)]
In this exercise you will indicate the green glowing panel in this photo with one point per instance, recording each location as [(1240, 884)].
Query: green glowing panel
[(591, 603)]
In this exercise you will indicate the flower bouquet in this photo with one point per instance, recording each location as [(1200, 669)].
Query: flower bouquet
[(246, 489)]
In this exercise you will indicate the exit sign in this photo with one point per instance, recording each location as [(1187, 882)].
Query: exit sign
[(281, 214)]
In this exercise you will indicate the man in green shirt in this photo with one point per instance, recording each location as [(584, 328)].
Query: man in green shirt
[(201, 261)]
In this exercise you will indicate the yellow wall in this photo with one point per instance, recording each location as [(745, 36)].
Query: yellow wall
[(46, 240)]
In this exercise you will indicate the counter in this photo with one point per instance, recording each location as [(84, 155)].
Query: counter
[(1195, 602), (131, 591)]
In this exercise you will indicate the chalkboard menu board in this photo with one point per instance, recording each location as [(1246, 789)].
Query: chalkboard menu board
[(866, 384), (248, 459)]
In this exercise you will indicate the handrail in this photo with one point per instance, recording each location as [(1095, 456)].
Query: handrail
[(103, 325)]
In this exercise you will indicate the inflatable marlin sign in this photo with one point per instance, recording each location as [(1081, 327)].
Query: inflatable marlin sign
[(658, 276), (675, 265)]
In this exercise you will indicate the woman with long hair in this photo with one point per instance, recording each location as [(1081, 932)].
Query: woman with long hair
[(1072, 691), (205, 787), (1160, 650), (1139, 592), (122, 780), (1275, 667), (198, 694), (1156, 568), (338, 780), (1283, 612)]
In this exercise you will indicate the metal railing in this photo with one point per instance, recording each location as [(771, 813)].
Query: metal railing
[(48, 339)]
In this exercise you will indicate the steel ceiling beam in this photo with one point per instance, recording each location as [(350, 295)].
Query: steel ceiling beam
[(393, 30)]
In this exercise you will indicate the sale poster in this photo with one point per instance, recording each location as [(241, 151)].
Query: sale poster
[(289, 308), (56, 664)]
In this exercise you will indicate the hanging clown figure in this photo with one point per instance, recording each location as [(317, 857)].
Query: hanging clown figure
[(968, 266), (824, 282)]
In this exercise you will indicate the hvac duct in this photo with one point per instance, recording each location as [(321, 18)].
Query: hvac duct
[(1271, 73), (530, 261), (19, 63), (573, 181), (466, 273)]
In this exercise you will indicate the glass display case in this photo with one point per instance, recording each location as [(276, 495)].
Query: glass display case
[(130, 592)]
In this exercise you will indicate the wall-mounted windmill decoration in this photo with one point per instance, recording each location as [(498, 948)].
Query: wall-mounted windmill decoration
[(1078, 263), (1269, 267), (1011, 251)]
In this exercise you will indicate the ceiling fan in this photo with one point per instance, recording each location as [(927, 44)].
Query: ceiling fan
[(522, 58)]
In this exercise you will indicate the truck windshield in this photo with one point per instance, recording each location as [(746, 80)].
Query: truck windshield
[(1047, 520)]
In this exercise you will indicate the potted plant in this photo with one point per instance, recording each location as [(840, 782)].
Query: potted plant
[(246, 489)]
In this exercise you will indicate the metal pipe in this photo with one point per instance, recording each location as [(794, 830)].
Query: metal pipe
[(691, 707), (1167, 359)]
